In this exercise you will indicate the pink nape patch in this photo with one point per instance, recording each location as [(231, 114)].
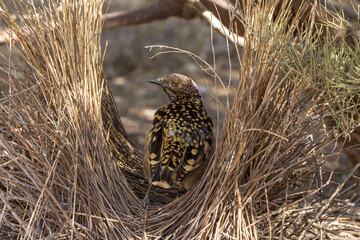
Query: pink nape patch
[(198, 90)]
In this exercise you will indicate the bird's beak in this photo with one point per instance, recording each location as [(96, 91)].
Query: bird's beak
[(157, 82)]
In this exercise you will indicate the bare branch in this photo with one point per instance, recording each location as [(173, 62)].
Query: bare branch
[(154, 12)]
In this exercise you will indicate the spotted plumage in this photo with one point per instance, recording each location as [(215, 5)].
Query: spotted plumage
[(180, 139)]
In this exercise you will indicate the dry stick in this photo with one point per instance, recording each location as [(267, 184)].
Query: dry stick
[(3, 211), (225, 32), (198, 60), (22, 224), (218, 24), (329, 201), (215, 82), (284, 211), (41, 196), (268, 213), (9, 73), (224, 11), (144, 15)]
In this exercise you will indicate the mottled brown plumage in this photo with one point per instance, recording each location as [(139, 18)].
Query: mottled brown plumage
[(180, 139)]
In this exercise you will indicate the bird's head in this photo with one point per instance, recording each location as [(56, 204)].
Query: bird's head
[(178, 86)]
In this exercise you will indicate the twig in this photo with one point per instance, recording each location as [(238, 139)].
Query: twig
[(219, 19), (144, 15)]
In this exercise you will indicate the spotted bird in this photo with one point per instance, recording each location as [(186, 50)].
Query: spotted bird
[(180, 139)]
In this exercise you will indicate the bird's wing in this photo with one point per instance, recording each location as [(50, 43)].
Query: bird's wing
[(153, 146), (197, 149), (163, 151), (171, 156)]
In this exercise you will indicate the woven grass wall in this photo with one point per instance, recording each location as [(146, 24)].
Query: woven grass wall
[(68, 170)]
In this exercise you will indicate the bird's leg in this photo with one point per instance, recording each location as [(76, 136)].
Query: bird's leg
[(146, 201), (146, 206)]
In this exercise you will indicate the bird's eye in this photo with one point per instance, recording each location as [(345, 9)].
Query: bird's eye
[(174, 84)]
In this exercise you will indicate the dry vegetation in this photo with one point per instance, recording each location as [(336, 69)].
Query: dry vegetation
[(68, 170)]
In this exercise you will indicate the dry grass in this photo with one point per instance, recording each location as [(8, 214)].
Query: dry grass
[(68, 171), (59, 175)]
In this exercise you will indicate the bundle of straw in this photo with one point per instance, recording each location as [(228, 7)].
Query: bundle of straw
[(59, 175), (68, 170)]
